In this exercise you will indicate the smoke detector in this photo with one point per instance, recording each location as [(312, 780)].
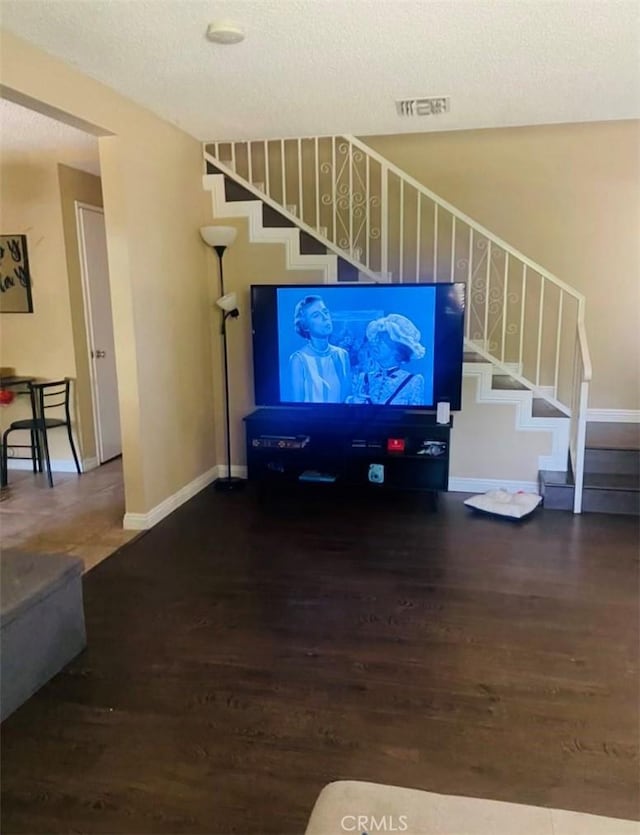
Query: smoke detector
[(224, 31)]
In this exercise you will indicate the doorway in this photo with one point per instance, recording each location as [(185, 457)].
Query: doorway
[(92, 246)]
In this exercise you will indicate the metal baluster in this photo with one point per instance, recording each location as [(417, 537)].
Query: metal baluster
[(522, 307), (267, 185), (368, 201), (418, 233), (350, 204), (250, 162), (435, 241), (558, 336), (453, 246), (284, 176), (504, 304), (333, 189), (384, 217), (315, 144), (486, 345), (540, 314), (401, 264), (233, 156), (469, 282), (300, 198)]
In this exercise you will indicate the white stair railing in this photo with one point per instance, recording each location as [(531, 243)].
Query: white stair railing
[(520, 317)]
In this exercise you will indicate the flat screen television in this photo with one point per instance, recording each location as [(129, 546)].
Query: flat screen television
[(360, 345)]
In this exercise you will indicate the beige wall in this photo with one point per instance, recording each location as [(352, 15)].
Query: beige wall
[(567, 196), (154, 204)]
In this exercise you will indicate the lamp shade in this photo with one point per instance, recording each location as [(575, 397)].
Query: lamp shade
[(218, 235), (228, 302)]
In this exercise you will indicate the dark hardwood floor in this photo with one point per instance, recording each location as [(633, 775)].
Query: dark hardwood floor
[(247, 651)]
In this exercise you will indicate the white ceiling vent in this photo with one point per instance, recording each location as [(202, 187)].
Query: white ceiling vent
[(429, 106)]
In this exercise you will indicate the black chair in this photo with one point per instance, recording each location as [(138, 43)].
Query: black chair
[(45, 397)]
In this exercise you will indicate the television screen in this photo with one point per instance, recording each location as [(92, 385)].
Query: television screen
[(395, 345)]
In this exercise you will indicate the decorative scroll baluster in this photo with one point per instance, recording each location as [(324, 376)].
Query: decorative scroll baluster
[(505, 297), (384, 209), (522, 307)]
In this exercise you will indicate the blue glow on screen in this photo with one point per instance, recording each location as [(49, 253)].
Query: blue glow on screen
[(366, 346)]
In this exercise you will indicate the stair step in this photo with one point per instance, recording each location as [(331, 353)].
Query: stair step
[(346, 271), (503, 382), (602, 492), (275, 219), (310, 245), (234, 192), (540, 408), (613, 435), (619, 461)]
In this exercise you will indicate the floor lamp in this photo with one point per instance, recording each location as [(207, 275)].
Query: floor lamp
[(219, 238)]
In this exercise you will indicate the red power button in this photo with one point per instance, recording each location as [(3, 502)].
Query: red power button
[(395, 444)]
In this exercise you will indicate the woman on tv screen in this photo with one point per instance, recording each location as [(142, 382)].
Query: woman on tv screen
[(320, 372), (393, 341)]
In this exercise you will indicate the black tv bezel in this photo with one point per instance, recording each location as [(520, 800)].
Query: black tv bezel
[(447, 371)]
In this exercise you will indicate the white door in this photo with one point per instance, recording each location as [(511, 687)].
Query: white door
[(92, 242)]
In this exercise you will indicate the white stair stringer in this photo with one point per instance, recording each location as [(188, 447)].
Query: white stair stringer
[(259, 233), (525, 421)]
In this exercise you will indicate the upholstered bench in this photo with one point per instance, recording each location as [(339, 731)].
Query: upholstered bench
[(41, 622), (368, 808)]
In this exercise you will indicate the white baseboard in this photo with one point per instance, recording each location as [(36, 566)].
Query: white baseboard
[(613, 415), (482, 485), (144, 521)]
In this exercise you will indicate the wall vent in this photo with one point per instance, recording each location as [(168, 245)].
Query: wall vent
[(430, 106)]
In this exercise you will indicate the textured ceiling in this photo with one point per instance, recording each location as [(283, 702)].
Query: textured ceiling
[(24, 130), (331, 66)]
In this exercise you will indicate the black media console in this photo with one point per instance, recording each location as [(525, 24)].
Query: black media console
[(368, 448)]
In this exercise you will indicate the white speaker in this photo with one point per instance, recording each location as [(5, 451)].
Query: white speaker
[(443, 412)]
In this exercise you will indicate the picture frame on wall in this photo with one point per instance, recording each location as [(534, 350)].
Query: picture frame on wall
[(15, 278)]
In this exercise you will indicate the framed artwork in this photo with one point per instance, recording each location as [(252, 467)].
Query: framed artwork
[(15, 279)]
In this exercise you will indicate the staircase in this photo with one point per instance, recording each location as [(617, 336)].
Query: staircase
[(611, 482), (362, 219)]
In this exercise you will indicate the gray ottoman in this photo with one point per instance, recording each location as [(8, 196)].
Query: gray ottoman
[(41, 622)]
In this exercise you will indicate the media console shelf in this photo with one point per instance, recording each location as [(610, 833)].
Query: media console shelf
[(367, 448)]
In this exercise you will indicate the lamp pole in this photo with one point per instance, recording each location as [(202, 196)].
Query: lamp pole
[(229, 482)]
